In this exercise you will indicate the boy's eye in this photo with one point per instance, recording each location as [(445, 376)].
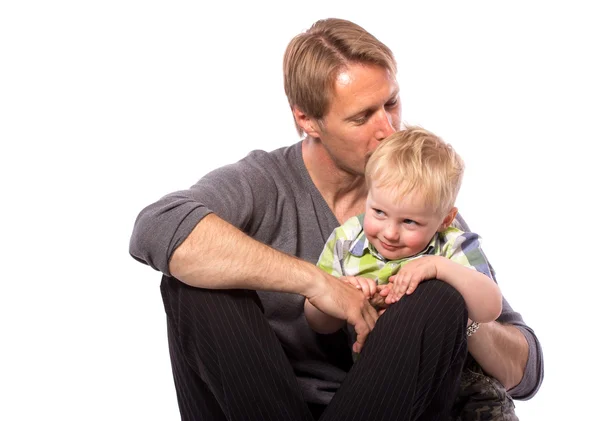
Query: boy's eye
[(378, 212), (409, 222)]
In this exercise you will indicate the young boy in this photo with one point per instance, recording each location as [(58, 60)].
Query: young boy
[(405, 235), (404, 238)]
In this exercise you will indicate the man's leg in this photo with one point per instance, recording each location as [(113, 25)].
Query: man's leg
[(410, 366), (227, 362)]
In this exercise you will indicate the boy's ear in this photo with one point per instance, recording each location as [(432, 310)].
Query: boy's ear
[(306, 123), (448, 219)]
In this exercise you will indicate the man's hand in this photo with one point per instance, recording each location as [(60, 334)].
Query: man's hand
[(366, 285), (345, 301), (370, 289), (409, 277)]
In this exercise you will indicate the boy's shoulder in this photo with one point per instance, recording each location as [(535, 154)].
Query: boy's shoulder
[(452, 238), (350, 229), (451, 233)]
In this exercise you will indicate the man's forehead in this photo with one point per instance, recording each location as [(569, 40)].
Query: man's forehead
[(343, 78), (360, 87)]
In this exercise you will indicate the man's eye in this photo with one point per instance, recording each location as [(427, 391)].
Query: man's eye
[(360, 120), (392, 103)]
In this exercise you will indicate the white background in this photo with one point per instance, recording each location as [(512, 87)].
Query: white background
[(106, 106)]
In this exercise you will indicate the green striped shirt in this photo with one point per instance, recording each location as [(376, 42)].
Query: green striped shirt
[(349, 253)]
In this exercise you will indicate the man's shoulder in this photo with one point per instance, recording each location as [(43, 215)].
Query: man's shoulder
[(287, 154), (268, 168)]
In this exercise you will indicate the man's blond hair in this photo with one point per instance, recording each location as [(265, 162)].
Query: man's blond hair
[(314, 59), (416, 160)]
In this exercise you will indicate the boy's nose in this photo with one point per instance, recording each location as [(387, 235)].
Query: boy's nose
[(391, 233)]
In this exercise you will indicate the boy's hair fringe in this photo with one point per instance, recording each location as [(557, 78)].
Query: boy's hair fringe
[(414, 159)]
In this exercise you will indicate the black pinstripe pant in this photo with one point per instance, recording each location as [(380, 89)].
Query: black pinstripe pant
[(229, 365)]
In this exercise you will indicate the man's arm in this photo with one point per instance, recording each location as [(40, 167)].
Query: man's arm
[(218, 255), (182, 236), (329, 262), (215, 234), (502, 352), (508, 349)]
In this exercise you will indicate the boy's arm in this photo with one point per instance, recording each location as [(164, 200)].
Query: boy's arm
[(471, 274), (321, 322), (481, 294), (460, 262)]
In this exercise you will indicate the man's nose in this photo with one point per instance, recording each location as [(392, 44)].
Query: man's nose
[(384, 125)]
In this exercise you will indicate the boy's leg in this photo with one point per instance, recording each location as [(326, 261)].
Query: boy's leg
[(481, 398), (410, 366), (227, 362)]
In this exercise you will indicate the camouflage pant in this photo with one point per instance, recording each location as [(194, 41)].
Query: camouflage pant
[(481, 398)]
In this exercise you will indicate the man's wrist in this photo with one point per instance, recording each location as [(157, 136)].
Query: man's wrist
[(316, 281), (472, 328)]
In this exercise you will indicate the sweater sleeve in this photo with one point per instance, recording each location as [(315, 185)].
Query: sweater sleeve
[(534, 370), (238, 193)]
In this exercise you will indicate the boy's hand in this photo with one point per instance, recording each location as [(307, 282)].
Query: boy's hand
[(367, 286), (378, 300), (411, 275)]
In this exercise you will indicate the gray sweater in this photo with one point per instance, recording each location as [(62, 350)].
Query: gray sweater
[(271, 197)]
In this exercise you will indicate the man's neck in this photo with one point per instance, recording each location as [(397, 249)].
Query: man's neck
[(344, 192)]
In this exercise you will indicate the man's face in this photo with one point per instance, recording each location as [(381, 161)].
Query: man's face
[(364, 110)]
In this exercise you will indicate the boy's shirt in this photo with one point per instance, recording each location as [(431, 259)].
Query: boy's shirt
[(349, 253)]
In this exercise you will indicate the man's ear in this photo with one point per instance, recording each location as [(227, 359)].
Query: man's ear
[(306, 123), (448, 219)]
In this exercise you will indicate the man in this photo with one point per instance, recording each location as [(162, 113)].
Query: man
[(260, 225)]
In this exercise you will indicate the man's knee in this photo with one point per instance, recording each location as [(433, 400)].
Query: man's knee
[(442, 295), (432, 294)]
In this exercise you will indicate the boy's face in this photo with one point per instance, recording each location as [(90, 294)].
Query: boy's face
[(399, 229)]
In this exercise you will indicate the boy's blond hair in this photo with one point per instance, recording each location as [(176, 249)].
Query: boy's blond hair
[(415, 159)]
